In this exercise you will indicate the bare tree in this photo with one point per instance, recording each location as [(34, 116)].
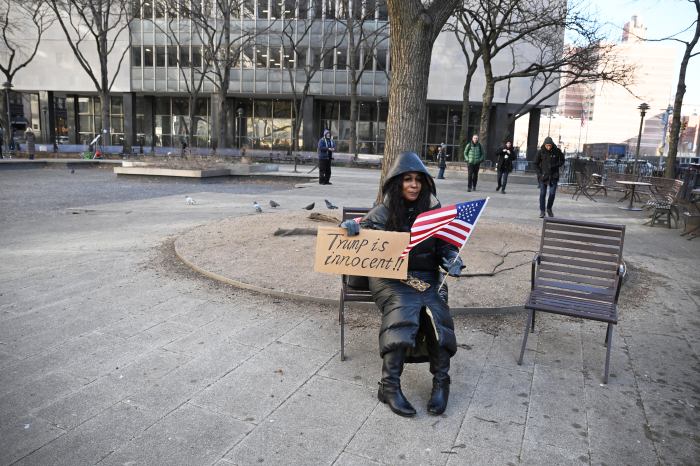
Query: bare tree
[(364, 38), (223, 41), (188, 54), (311, 41), (493, 27), (22, 25), (415, 25), (101, 24), (680, 90), (472, 52)]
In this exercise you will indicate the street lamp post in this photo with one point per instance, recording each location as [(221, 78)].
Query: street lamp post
[(9, 136), (643, 107), (239, 112)]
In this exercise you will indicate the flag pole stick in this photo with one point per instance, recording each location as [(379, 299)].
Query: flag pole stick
[(465, 243)]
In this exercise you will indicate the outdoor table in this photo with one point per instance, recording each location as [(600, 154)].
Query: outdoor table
[(631, 186)]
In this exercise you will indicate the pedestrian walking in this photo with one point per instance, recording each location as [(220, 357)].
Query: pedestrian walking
[(504, 165), (548, 161), (473, 155), (441, 158), (30, 139), (326, 148), (416, 323)]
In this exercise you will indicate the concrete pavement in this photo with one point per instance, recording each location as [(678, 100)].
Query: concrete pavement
[(113, 352)]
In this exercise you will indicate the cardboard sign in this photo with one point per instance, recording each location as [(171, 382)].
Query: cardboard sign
[(372, 253)]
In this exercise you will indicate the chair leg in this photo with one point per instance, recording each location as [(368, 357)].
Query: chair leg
[(341, 314), (608, 340), (530, 318)]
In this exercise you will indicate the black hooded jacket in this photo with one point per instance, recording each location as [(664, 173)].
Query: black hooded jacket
[(400, 304), (548, 162)]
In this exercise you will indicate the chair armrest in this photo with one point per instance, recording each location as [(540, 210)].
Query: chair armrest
[(535, 262), (621, 271)]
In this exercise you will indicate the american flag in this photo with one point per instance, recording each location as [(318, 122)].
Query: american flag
[(453, 224)]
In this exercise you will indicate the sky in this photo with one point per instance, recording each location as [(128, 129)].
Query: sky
[(662, 18)]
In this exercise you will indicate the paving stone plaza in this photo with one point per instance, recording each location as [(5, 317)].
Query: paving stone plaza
[(112, 351)]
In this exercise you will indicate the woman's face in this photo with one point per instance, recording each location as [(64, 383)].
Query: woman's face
[(412, 183)]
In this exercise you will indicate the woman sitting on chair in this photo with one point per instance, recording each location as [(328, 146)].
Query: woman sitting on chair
[(416, 322)]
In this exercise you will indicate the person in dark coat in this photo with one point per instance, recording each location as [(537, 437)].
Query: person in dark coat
[(416, 325), (548, 161), (504, 165), (441, 158), (326, 147)]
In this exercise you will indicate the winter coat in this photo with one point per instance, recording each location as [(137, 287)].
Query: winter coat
[(323, 145), (504, 159), (548, 162), (473, 153), (442, 160), (402, 305)]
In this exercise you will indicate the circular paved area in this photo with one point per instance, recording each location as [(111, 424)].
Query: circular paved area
[(246, 252)]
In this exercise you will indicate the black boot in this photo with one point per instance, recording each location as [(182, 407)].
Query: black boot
[(439, 367), (390, 385)]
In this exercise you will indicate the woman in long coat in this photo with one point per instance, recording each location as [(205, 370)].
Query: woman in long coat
[(416, 325), (31, 143)]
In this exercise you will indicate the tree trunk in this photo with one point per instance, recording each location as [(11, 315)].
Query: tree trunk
[(411, 48), (487, 99), (105, 131), (670, 171), (220, 138), (352, 47), (6, 133), (414, 27), (466, 110)]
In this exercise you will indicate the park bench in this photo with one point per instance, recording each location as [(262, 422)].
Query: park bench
[(578, 273), (353, 289)]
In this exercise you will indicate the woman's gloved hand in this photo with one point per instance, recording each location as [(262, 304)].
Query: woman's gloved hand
[(453, 265), (351, 227)]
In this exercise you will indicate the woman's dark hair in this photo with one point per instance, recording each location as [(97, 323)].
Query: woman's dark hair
[(397, 205)]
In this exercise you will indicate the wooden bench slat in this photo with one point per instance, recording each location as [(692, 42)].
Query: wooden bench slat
[(577, 278), (571, 245), (539, 296), (548, 266), (590, 256), (556, 259), (574, 237), (556, 291), (584, 230), (587, 289)]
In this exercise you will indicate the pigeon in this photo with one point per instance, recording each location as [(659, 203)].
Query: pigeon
[(190, 201), (273, 204), (310, 206), (329, 204), (258, 209), (72, 171)]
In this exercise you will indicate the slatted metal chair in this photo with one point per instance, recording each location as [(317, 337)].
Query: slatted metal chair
[(353, 289), (664, 203), (577, 272)]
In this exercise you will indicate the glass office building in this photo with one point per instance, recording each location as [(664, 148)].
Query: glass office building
[(167, 56)]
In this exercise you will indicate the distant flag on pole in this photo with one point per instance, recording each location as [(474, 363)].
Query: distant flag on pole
[(453, 224)]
